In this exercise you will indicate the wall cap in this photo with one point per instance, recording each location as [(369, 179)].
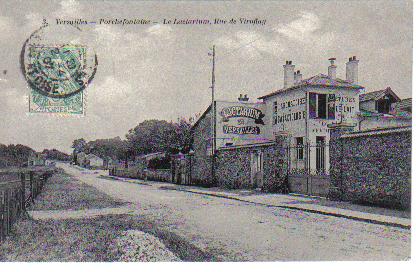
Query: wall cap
[(377, 132), (246, 146)]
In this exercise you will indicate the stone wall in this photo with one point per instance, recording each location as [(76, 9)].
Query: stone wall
[(373, 167), (201, 160), (164, 175), (233, 167)]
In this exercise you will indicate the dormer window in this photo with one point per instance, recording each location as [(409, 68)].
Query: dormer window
[(384, 104)]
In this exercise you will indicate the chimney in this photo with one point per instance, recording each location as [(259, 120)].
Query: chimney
[(352, 70), (289, 74), (332, 69), (298, 77), (242, 98)]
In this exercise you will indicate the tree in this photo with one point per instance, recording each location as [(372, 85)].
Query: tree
[(159, 136), (54, 154), (114, 148), (79, 145), (14, 155)]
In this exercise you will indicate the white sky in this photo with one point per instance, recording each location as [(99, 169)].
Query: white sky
[(163, 72)]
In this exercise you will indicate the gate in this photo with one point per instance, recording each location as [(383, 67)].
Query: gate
[(308, 168), (180, 169)]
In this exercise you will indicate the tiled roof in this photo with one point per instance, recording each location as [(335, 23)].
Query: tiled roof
[(376, 131), (319, 80), (405, 103), (369, 114), (377, 95)]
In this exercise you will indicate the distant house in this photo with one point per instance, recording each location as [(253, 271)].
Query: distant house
[(143, 160), (36, 159), (403, 106), (150, 156), (93, 161), (384, 109), (50, 162), (81, 158), (379, 101)]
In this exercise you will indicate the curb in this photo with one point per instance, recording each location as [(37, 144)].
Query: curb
[(121, 179), (367, 220)]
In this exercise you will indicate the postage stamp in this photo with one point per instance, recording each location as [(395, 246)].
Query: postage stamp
[(57, 71)]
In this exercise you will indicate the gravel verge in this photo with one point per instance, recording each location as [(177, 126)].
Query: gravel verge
[(63, 192), (138, 246), (95, 240)]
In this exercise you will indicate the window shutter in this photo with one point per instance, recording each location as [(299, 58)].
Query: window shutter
[(312, 105), (331, 106)]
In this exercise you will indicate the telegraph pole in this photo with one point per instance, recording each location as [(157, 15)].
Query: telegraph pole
[(213, 112), (212, 98)]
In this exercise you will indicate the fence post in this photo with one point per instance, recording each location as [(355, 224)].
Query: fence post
[(2, 234), (7, 212), (31, 185), (23, 190)]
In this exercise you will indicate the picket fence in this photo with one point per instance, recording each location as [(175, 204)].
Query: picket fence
[(17, 191)]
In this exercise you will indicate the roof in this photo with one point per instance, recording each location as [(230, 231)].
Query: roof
[(200, 118), (370, 114), (377, 131), (404, 103), (376, 95), (89, 156), (152, 154), (319, 80)]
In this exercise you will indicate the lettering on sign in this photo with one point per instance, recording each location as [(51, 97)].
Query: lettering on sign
[(293, 103), (293, 116), (241, 111), (241, 130)]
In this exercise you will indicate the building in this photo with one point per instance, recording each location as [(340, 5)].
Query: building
[(404, 105), (81, 158), (384, 109), (236, 123), (282, 141), (304, 108), (144, 159), (379, 101), (93, 161), (36, 159)]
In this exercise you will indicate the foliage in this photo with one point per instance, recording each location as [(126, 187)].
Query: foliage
[(147, 137), (159, 163), (79, 145), (160, 136), (114, 148), (54, 154), (14, 155)]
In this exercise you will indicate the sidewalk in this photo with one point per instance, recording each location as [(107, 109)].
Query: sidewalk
[(375, 215), (370, 214)]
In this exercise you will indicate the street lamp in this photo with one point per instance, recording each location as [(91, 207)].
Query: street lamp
[(191, 154)]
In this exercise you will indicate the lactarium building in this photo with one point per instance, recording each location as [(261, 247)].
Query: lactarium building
[(281, 141)]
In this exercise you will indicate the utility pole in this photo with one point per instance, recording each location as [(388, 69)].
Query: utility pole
[(213, 112)]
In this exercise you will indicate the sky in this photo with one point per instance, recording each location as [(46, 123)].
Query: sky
[(161, 71)]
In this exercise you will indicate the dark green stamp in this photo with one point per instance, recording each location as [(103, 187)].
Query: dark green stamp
[(57, 72)]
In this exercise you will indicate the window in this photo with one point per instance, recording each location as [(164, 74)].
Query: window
[(320, 154), (299, 148), (274, 112), (321, 106), (384, 105)]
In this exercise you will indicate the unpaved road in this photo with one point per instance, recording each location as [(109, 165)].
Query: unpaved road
[(232, 230)]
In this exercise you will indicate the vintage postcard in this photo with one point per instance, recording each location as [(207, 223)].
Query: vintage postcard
[(205, 131)]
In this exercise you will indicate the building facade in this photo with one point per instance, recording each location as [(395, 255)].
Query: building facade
[(281, 142), (304, 109), (93, 161)]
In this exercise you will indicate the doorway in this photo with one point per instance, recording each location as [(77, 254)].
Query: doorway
[(257, 169)]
